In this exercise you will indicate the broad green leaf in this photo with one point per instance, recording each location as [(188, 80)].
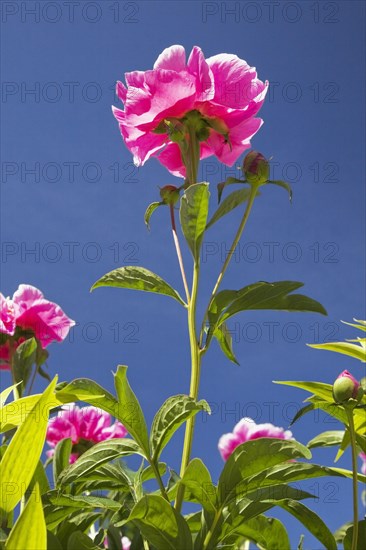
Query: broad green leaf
[(24, 451), (171, 415), (311, 521), (130, 412), (326, 439), (61, 458), (97, 456), (198, 480), (39, 478), (324, 391), (221, 186), (232, 201), (193, 215), (29, 531), (24, 358), (149, 211), (284, 185), (80, 541), (5, 394), (13, 414), (137, 278), (352, 350), (224, 338), (161, 524), (254, 456), (267, 533), (347, 541), (74, 501)]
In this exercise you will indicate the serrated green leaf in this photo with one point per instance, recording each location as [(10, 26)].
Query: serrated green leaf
[(174, 411), (161, 524), (198, 480), (138, 278), (224, 338), (149, 211), (97, 456), (130, 411), (229, 203), (24, 451), (345, 348), (29, 531), (284, 185), (193, 215), (326, 439)]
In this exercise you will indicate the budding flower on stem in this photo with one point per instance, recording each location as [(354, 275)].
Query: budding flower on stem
[(169, 194), (256, 168), (346, 387)]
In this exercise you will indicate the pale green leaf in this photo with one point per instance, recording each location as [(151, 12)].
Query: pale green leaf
[(193, 215)]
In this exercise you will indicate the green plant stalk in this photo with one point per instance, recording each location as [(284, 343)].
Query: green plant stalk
[(178, 251), (235, 242), (195, 380), (11, 362), (212, 529), (159, 480), (354, 477)]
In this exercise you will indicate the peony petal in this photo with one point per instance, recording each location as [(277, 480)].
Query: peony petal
[(172, 58)]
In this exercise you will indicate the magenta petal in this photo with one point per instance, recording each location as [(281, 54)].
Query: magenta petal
[(172, 58), (227, 444), (7, 315)]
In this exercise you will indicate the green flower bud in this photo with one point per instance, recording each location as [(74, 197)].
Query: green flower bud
[(256, 168), (346, 387), (169, 194)]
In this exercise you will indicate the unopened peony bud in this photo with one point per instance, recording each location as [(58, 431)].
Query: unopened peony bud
[(346, 387), (169, 194), (256, 168)]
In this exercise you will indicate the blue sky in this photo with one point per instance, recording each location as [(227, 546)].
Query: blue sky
[(71, 194)]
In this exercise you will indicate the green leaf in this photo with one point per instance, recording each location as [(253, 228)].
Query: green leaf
[(193, 215), (97, 456), (80, 541), (327, 439), (148, 472), (24, 451), (284, 185), (267, 533), (138, 278), (74, 501), (304, 410), (5, 394), (324, 391), (221, 186), (29, 531), (346, 441), (13, 414), (198, 480), (361, 325), (171, 415), (149, 210), (352, 350), (347, 541), (161, 524), (252, 457), (39, 478), (130, 412), (24, 358), (311, 521), (61, 458), (224, 338), (229, 203), (53, 542)]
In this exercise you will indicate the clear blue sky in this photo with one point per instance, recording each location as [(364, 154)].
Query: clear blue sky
[(81, 209)]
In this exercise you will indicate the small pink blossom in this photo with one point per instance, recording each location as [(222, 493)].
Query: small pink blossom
[(245, 430), (363, 458), (224, 89), (29, 310), (84, 426), (125, 542)]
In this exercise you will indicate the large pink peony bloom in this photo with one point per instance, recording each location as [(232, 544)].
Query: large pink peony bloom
[(245, 430), (84, 426), (224, 89)]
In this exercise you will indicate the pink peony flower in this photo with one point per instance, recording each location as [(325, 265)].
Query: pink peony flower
[(363, 458), (84, 426), (125, 542), (224, 89), (7, 316), (29, 310), (245, 430)]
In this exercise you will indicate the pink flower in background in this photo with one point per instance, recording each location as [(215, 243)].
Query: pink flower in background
[(5, 353), (224, 89), (363, 467), (245, 430), (84, 426), (7, 316), (29, 310), (125, 542)]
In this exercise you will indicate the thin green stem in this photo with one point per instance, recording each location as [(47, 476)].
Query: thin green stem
[(354, 477), (11, 362), (179, 253), (195, 380), (237, 237), (159, 480), (212, 529)]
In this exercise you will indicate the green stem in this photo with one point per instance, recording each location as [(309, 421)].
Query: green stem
[(195, 380), (354, 477), (178, 251), (159, 480), (237, 237), (11, 362), (212, 529)]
